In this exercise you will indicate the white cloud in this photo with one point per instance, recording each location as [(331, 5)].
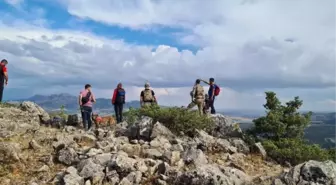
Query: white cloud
[(239, 38), (14, 2), (248, 46)]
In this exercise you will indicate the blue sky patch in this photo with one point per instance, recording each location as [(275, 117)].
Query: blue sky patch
[(58, 18)]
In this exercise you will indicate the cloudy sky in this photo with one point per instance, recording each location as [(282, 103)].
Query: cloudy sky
[(248, 46)]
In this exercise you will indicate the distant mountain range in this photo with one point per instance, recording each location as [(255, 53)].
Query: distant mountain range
[(324, 118), (54, 102), (103, 105)]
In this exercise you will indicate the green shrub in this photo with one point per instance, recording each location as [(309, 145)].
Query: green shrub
[(296, 151), (282, 131), (7, 105), (332, 153), (61, 113), (281, 121), (178, 120)]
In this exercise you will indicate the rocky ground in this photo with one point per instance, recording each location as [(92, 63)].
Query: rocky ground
[(140, 153)]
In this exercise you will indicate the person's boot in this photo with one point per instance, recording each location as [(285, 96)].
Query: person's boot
[(86, 126)]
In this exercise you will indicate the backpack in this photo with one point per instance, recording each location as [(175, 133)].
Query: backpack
[(86, 98), (148, 95), (199, 94), (120, 96), (217, 90)]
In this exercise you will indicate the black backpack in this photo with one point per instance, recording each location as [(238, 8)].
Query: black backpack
[(86, 98)]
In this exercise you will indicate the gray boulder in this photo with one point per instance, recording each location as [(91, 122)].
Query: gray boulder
[(35, 110), (141, 129), (67, 156), (14, 121), (225, 127), (309, 173), (74, 120), (211, 174)]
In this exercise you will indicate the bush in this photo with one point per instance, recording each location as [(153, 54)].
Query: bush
[(61, 113), (332, 153), (178, 120), (281, 121), (296, 151), (281, 132)]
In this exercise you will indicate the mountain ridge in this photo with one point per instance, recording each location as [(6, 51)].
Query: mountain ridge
[(54, 102)]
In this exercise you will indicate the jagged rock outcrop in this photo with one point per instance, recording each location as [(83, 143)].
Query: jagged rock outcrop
[(225, 127), (140, 153), (17, 119), (309, 173)]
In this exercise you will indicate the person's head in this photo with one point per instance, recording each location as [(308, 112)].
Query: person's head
[(198, 81), (87, 87), (4, 62), (147, 86), (119, 86), (212, 80)]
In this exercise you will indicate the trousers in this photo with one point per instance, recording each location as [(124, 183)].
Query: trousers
[(118, 109), (86, 116), (199, 103)]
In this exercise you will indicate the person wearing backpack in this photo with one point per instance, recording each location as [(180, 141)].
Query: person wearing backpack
[(118, 100), (147, 96), (86, 99), (213, 91), (3, 77), (197, 97)]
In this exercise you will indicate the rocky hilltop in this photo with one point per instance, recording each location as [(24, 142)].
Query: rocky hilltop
[(143, 152)]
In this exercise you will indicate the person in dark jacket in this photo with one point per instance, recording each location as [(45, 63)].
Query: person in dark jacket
[(211, 94), (118, 100), (3, 76)]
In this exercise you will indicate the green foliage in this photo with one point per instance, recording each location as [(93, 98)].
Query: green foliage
[(282, 131), (281, 121), (61, 113), (296, 151), (7, 105), (332, 153), (176, 119)]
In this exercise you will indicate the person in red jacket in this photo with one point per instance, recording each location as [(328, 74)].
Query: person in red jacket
[(118, 100), (3, 76)]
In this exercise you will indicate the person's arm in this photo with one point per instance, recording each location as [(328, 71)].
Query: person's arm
[(93, 98), (114, 96), (6, 77), (4, 70), (141, 96), (205, 82), (80, 99), (154, 96), (124, 97)]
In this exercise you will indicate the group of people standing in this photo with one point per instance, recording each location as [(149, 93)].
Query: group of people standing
[(147, 98), (87, 98), (202, 100)]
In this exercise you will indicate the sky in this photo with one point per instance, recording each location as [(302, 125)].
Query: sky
[(248, 46)]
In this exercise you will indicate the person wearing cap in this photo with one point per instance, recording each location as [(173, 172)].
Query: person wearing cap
[(3, 76), (197, 97), (147, 96), (118, 100)]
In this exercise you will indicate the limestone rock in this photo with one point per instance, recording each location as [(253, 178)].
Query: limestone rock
[(309, 173)]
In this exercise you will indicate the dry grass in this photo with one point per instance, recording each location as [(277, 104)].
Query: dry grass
[(26, 170), (253, 165)]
